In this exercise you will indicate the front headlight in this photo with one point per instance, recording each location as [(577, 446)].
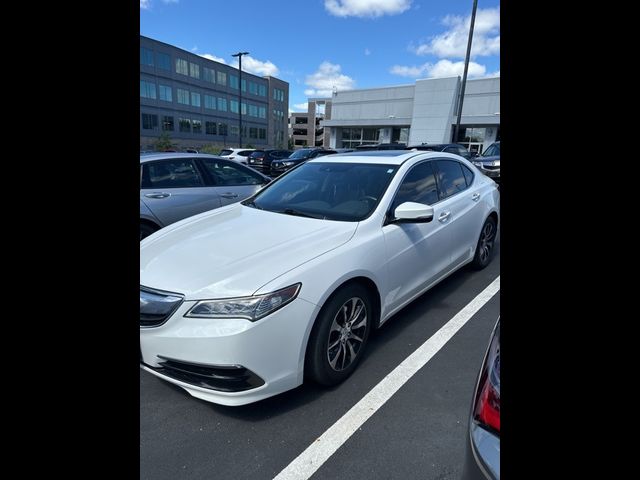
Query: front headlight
[(477, 164), (252, 308), (288, 164)]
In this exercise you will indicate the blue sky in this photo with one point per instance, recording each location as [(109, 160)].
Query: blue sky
[(318, 44)]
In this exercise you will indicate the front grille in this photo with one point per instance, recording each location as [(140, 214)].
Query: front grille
[(157, 306), (491, 167), (227, 378)]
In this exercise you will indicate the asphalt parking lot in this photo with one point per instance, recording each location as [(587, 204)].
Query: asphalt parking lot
[(418, 433)]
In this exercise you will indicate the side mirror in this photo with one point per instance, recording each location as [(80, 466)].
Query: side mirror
[(411, 212)]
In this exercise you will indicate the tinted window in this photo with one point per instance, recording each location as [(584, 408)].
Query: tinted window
[(245, 153), (450, 178), (418, 186), (468, 175), (451, 150), (178, 173), (256, 154), (494, 149), (227, 173), (333, 191), (463, 152)]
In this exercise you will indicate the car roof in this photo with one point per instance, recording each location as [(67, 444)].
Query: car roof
[(383, 157), (150, 157)]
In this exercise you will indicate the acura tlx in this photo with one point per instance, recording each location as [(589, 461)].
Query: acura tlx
[(247, 301)]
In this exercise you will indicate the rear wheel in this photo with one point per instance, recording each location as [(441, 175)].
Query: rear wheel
[(339, 336), (146, 230), (486, 242)]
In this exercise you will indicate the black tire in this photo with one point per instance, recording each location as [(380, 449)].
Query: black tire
[(330, 366), (486, 244), (147, 229)]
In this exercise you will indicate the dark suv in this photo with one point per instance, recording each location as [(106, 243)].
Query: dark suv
[(278, 167), (261, 159), (444, 147)]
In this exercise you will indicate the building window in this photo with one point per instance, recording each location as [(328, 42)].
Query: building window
[(253, 110), (182, 66), (146, 56), (195, 99), (147, 89), (222, 129), (262, 90), (400, 135), (262, 112), (197, 126), (222, 78), (233, 81), (262, 134), (352, 137), (222, 104), (164, 61), (243, 107), (167, 124), (253, 88), (149, 122), (253, 132), (244, 85), (209, 102), (210, 128), (209, 75), (183, 96), (165, 93), (194, 70), (184, 125), (235, 130), (278, 94), (233, 106)]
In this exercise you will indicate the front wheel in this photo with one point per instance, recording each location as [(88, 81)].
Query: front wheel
[(339, 336), (486, 242)]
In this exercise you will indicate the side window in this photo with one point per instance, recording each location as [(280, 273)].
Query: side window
[(175, 173), (245, 153), (418, 186), (450, 178), (230, 174), (468, 175), (463, 152)]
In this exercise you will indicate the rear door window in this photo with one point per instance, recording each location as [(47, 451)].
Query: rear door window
[(174, 173), (450, 178), (226, 173)]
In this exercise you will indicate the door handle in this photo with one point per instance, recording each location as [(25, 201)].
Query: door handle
[(229, 195), (475, 197), (157, 195), (444, 216)]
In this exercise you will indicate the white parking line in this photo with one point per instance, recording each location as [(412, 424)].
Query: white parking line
[(319, 451)]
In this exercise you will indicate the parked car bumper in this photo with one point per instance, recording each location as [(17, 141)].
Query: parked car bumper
[(261, 358), (483, 455)]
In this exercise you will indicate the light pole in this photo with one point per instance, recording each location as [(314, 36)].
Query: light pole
[(239, 55), (466, 67)]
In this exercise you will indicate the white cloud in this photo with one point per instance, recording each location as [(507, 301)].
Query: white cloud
[(257, 67), (144, 4), (441, 69), (366, 8), (195, 48), (453, 42), (300, 107), (367, 51), (213, 57), (323, 81)]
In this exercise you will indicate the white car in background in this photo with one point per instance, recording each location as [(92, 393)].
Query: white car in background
[(240, 155), (246, 301)]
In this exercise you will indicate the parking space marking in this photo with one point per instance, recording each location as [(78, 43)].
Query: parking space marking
[(306, 464)]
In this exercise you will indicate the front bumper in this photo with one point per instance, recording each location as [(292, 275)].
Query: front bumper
[(262, 358)]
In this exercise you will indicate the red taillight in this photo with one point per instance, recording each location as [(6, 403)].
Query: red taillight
[(487, 405)]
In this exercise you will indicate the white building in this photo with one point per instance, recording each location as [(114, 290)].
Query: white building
[(425, 112)]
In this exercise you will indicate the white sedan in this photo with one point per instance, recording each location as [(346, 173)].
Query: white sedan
[(246, 301)]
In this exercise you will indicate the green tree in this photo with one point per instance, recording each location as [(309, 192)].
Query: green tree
[(163, 143)]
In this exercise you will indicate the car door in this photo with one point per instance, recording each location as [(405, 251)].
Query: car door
[(461, 208), (174, 189), (417, 253), (232, 181)]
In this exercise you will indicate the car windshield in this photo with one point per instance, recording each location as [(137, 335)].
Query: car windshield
[(300, 154), (327, 190), (494, 149), (257, 153)]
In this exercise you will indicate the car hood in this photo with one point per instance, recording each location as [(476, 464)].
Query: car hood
[(233, 251)]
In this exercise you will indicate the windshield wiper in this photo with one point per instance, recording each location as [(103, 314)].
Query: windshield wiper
[(298, 213)]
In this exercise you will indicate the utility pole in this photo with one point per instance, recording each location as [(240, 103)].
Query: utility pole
[(466, 67), (239, 55)]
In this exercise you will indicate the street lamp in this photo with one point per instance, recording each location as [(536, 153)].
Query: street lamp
[(239, 55)]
